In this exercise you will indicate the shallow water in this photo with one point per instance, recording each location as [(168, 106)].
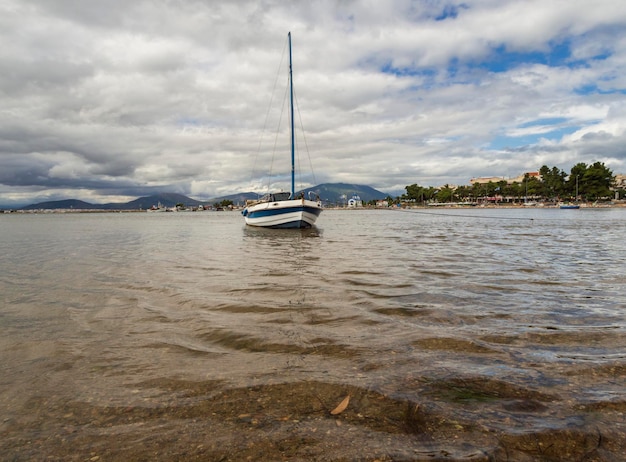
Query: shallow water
[(458, 334)]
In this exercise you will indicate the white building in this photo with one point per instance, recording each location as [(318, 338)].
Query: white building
[(355, 201)]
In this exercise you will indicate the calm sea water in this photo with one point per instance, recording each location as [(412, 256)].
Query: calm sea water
[(503, 323)]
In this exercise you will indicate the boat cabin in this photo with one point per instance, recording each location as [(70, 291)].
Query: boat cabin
[(276, 197)]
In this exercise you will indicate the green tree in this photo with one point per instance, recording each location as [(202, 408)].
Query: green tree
[(418, 193), (575, 180), (445, 194), (412, 192), (224, 203), (515, 190), (532, 186), (464, 193), (594, 182), (491, 189), (478, 190), (597, 181), (553, 181), (501, 189)]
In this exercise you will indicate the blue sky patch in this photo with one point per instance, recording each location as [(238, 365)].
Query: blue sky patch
[(499, 60), (546, 121), (592, 88), (388, 68), (450, 12), (514, 142), (502, 60)]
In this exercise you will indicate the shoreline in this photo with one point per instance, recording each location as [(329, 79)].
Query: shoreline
[(586, 205)]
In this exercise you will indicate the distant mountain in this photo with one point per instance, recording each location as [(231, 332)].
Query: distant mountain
[(339, 193), (237, 199), (166, 199), (66, 204), (330, 193)]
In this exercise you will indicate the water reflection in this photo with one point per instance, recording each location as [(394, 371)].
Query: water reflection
[(281, 235), (273, 252)]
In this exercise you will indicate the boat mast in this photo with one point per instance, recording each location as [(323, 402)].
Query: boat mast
[(293, 147)]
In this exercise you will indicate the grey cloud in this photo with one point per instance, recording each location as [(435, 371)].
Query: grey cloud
[(132, 98)]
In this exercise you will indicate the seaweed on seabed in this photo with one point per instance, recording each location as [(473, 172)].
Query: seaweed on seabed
[(573, 444), (414, 421)]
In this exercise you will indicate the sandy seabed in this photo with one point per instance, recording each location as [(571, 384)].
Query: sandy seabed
[(202, 421)]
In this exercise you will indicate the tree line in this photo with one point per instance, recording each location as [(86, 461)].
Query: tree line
[(584, 182)]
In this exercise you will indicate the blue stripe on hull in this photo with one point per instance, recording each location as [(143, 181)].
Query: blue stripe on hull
[(274, 212), (297, 216)]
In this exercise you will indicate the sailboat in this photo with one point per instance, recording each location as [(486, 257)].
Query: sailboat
[(570, 205), (284, 209)]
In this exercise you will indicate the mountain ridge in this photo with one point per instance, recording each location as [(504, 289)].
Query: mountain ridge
[(330, 194)]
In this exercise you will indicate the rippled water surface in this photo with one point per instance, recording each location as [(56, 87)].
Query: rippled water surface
[(458, 335)]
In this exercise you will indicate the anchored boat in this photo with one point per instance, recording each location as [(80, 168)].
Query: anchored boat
[(285, 210)]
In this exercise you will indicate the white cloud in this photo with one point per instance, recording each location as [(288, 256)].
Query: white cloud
[(173, 95)]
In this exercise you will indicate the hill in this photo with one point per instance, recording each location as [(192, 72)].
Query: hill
[(65, 204), (166, 199), (339, 193), (330, 193)]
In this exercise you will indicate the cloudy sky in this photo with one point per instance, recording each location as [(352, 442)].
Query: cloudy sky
[(111, 100)]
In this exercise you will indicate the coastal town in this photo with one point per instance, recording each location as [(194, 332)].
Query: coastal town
[(585, 186)]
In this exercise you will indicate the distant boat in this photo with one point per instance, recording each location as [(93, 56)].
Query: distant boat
[(157, 208), (284, 210)]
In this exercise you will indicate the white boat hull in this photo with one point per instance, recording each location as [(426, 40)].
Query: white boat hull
[(298, 213), (284, 210)]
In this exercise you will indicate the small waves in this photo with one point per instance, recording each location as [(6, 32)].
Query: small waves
[(491, 336)]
